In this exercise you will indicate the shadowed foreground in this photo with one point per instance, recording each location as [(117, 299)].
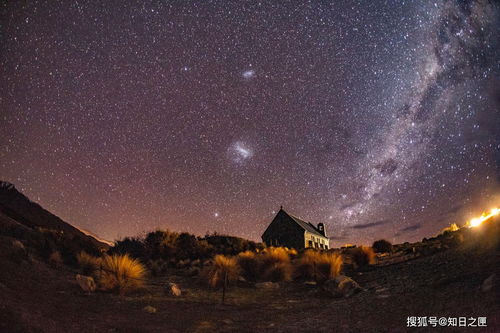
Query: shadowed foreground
[(36, 297)]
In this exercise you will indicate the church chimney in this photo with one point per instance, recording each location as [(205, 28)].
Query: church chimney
[(321, 229)]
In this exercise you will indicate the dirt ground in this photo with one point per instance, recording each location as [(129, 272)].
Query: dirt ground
[(38, 298)]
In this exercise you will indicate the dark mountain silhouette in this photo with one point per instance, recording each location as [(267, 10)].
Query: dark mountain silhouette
[(15, 206)]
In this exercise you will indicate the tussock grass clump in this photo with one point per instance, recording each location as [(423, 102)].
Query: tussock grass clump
[(88, 264), (277, 272), (362, 256), (224, 270), (318, 266), (249, 265), (121, 273), (292, 252), (275, 264), (271, 264), (55, 259), (382, 246), (274, 255)]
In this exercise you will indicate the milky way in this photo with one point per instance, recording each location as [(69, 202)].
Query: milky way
[(379, 118)]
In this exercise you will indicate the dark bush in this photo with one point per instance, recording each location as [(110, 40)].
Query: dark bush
[(382, 246), (362, 256), (132, 246)]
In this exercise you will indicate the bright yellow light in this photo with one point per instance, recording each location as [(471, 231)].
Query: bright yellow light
[(475, 222)]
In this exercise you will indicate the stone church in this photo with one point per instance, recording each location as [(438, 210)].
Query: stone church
[(290, 231)]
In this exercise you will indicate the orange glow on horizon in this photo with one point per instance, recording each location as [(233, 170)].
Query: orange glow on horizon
[(475, 222)]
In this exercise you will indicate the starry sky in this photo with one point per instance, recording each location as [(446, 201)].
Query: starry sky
[(378, 118)]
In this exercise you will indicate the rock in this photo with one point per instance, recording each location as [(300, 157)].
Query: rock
[(381, 290), (488, 283), (195, 262), (174, 290), (18, 245), (331, 287), (342, 286), (192, 271), (149, 309), (349, 287), (310, 283), (87, 283), (267, 285), (227, 321)]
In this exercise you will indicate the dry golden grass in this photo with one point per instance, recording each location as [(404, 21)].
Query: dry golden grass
[(362, 256), (121, 273), (88, 264), (273, 255), (292, 252), (224, 270), (318, 266)]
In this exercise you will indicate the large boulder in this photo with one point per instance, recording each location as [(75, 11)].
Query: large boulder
[(342, 286), (87, 283)]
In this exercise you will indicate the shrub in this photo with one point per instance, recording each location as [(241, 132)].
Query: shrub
[(249, 265), (275, 264), (362, 256), (88, 264), (292, 252), (382, 246), (55, 259), (230, 245), (121, 273), (274, 255), (224, 270), (278, 271), (158, 267), (132, 246), (318, 266), (161, 244)]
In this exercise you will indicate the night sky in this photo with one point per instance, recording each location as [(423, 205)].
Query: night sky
[(379, 118)]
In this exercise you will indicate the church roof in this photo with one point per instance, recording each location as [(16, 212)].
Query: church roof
[(307, 226)]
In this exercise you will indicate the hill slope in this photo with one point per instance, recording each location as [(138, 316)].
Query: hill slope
[(19, 208)]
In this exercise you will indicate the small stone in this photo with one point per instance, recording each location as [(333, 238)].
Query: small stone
[(149, 309), (381, 290), (488, 283), (87, 283), (174, 289), (310, 283), (267, 285)]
